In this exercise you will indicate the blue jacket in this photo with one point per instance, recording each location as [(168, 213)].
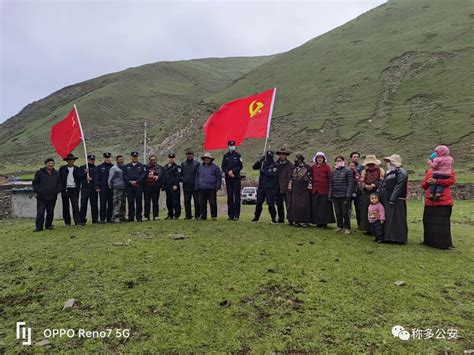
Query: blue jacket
[(208, 177), (135, 172), (103, 172), (268, 174)]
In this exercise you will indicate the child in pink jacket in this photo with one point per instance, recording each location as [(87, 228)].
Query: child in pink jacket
[(442, 166), (376, 215)]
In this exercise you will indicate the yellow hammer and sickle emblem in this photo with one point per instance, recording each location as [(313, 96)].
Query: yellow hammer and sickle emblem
[(255, 107), (73, 122)]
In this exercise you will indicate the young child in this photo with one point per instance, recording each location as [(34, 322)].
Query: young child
[(376, 218), (442, 166)]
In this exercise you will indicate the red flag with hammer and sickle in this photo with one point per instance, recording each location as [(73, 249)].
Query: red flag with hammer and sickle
[(248, 117), (66, 135)]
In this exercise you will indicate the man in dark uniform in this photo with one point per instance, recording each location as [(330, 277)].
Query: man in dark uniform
[(267, 185), (70, 182), (105, 193), (232, 165), (133, 175), (284, 169), (152, 186), (47, 185), (89, 189), (188, 171), (173, 177)]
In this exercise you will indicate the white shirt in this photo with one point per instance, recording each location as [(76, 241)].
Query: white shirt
[(70, 177)]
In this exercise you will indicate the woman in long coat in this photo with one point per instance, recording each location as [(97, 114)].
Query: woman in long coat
[(393, 193), (437, 213), (299, 187), (370, 180), (322, 212)]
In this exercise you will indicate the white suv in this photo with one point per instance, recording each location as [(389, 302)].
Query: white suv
[(249, 195)]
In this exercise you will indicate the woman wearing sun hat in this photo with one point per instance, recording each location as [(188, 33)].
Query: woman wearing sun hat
[(393, 195), (370, 178)]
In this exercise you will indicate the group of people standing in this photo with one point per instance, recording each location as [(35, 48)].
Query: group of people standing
[(318, 194)]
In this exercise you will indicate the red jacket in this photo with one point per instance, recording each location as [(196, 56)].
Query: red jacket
[(446, 198), (321, 175)]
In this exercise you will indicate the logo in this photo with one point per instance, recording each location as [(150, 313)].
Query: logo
[(399, 332), (23, 333), (255, 107)]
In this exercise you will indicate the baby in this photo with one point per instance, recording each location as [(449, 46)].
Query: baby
[(376, 218), (442, 165)]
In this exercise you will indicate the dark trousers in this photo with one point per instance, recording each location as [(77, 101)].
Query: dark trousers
[(377, 230), (173, 203), (282, 204), (341, 208), (189, 192), (71, 195), (92, 196), (43, 206), (435, 188), (134, 200), (233, 197), (262, 195), (356, 199), (204, 196), (106, 204), (151, 195)]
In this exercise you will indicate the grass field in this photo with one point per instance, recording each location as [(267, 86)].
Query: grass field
[(235, 286)]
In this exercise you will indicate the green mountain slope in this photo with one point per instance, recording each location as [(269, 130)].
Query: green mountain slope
[(398, 78)]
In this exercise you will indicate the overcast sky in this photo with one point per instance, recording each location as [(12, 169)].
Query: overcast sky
[(46, 45)]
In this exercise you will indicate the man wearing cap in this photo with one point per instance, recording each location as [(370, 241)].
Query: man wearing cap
[(172, 178), (70, 182), (133, 175), (232, 165), (284, 169), (188, 169), (105, 193), (117, 185), (267, 185), (208, 181), (47, 185), (89, 189), (152, 186)]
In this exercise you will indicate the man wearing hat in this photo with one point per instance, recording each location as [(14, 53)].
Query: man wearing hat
[(133, 176), (89, 189), (47, 185), (232, 165), (284, 169), (208, 182), (267, 185), (105, 193), (188, 168), (70, 176), (172, 179)]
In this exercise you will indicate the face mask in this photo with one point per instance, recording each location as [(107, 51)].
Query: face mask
[(339, 164), (231, 148)]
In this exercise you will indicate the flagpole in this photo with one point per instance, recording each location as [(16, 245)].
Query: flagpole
[(144, 144), (269, 120), (83, 140)]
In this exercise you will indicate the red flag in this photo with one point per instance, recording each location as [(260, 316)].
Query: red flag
[(237, 120), (66, 135)]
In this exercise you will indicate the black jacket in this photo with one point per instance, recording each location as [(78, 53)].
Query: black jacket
[(47, 185), (188, 171), (172, 175), (152, 171), (63, 172), (103, 172), (135, 172), (93, 173), (394, 185), (232, 161), (268, 173), (341, 183)]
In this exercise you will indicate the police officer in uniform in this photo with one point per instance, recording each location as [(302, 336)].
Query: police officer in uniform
[(133, 175), (267, 185), (105, 193), (188, 170), (232, 165), (172, 178), (89, 189)]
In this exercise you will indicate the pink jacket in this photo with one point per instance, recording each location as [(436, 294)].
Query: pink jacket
[(376, 212), (443, 164)]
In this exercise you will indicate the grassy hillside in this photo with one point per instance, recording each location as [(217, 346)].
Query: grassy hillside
[(399, 78), (235, 287)]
